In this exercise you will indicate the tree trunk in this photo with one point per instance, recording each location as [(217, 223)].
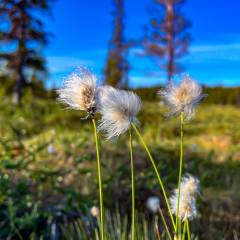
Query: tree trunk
[(170, 50), (20, 81)]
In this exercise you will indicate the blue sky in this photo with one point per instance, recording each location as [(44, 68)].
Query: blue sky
[(82, 29)]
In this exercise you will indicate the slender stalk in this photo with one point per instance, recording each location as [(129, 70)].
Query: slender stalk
[(165, 224), (178, 223), (184, 230), (179, 230), (133, 187), (156, 171), (157, 229), (188, 230), (99, 179)]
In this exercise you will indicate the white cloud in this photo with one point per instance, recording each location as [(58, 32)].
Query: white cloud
[(214, 47), (58, 64), (213, 54)]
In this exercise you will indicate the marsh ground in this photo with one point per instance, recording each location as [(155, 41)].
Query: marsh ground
[(48, 163)]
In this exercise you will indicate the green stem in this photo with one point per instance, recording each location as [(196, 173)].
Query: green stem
[(188, 230), (133, 187), (178, 222), (99, 179), (156, 171), (165, 224), (184, 230), (157, 229)]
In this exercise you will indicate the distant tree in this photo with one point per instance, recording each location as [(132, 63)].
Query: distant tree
[(116, 69), (166, 37), (23, 30)]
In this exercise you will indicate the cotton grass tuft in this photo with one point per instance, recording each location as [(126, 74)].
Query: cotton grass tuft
[(187, 203), (79, 92), (118, 109), (153, 204), (182, 98)]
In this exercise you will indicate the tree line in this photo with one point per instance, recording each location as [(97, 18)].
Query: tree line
[(165, 38)]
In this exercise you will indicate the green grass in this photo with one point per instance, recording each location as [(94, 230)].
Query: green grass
[(39, 183)]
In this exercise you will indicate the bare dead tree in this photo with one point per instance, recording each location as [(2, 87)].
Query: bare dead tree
[(165, 37), (116, 69)]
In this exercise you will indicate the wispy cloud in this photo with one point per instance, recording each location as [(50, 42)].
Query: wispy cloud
[(214, 47), (59, 64), (211, 64), (213, 54)]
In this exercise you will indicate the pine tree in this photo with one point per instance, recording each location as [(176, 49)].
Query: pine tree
[(166, 38), (116, 69), (25, 31)]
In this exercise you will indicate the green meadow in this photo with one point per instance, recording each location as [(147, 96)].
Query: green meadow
[(48, 171)]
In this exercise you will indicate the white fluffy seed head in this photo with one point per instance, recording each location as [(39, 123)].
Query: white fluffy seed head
[(79, 91), (190, 186), (183, 97), (119, 109), (153, 204), (94, 211), (187, 208), (103, 93), (187, 203)]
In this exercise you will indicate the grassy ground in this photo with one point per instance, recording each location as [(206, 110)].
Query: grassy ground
[(48, 165)]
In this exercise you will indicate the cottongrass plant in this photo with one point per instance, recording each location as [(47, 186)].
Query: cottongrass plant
[(182, 100), (187, 204), (80, 92), (119, 111), (153, 204)]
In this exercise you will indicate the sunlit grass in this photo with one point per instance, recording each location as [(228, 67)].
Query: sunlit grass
[(58, 178)]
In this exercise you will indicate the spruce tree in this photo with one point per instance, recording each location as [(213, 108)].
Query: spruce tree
[(24, 30)]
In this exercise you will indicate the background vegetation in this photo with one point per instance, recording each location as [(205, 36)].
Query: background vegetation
[(48, 167)]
